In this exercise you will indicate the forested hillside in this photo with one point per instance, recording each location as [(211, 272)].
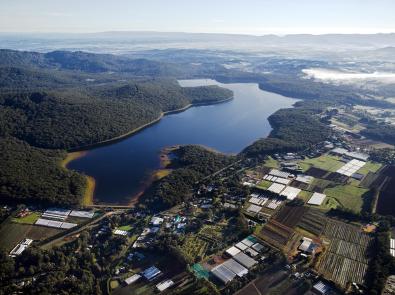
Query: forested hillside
[(72, 118), (29, 174), (64, 100), (293, 129), (195, 162)]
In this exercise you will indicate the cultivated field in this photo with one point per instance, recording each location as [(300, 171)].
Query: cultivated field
[(276, 234), (345, 260), (290, 215), (386, 198), (313, 222)]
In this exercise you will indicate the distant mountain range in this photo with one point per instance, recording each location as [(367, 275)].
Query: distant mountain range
[(121, 42)]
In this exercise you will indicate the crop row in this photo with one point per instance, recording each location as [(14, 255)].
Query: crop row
[(349, 233), (349, 250), (342, 270)]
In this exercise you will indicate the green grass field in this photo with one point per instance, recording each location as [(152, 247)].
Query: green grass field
[(369, 167), (264, 184), (329, 203), (125, 227), (325, 162), (271, 163), (305, 195), (29, 219), (317, 182), (349, 196), (12, 233)]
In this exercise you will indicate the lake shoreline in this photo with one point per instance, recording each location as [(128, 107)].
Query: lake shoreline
[(74, 154), (142, 127)]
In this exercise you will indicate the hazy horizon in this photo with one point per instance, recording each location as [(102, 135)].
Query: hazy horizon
[(250, 17)]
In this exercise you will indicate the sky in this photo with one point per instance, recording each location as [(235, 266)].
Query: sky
[(256, 17)]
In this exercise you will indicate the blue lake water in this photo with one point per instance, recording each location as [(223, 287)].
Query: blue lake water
[(122, 169)]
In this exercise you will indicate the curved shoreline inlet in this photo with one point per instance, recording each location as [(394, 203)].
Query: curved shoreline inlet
[(123, 168)]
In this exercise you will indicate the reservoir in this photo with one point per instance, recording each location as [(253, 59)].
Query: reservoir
[(123, 168)]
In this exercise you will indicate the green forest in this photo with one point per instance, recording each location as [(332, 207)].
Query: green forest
[(59, 101), (192, 163), (294, 129)]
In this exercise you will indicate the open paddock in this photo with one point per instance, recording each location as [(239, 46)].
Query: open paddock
[(12, 233), (324, 163), (349, 196)]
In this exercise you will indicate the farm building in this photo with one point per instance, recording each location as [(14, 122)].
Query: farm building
[(304, 178), (339, 151), (273, 204), (57, 213), (254, 208), (308, 246), (241, 246), (245, 260), (353, 155), (392, 247), (247, 241), (223, 273), (232, 251), (56, 224), (278, 173), (151, 273), (276, 188), (18, 249), (276, 179), (82, 214), (120, 232), (251, 252), (235, 267), (164, 285), (132, 279), (321, 288), (258, 247), (351, 167), (358, 156), (316, 199), (290, 192), (258, 199)]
